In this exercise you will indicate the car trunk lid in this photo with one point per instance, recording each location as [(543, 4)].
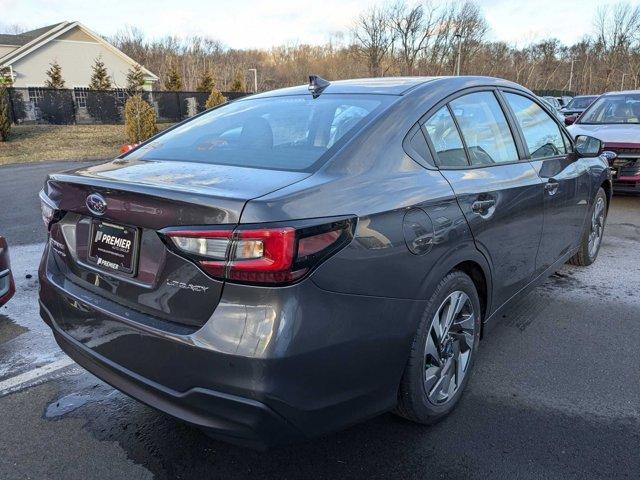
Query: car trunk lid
[(143, 197)]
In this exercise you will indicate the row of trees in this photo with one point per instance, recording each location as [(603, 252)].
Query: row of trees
[(57, 104), (406, 38), (100, 79)]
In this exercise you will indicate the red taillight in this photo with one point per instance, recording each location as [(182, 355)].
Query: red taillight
[(316, 243), (276, 262), (277, 255), (50, 213)]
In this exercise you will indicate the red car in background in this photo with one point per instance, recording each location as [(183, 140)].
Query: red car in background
[(7, 285), (614, 119)]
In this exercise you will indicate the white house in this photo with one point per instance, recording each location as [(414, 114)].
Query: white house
[(27, 56)]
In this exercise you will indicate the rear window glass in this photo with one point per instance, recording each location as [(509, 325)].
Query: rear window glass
[(419, 144), (484, 128), (445, 138), (580, 102), (282, 133)]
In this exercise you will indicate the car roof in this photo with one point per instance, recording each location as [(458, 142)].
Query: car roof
[(380, 86), (389, 85), (624, 92)]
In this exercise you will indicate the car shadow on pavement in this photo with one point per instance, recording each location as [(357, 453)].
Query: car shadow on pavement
[(484, 436)]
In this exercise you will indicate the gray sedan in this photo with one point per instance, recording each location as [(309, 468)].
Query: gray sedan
[(295, 261)]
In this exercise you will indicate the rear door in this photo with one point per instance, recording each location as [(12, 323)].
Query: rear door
[(566, 179), (500, 194)]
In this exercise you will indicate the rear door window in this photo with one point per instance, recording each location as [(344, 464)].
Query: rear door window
[(484, 128), (419, 144), (541, 133), (446, 140)]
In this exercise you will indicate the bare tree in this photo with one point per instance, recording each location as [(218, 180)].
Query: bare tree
[(617, 32), (12, 29), (471, 26), (373, 38), (617, 28), (413, 28), (406, 39)]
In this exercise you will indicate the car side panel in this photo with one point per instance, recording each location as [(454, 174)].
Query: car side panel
[(378, 261), (565, 207), (508, 233)]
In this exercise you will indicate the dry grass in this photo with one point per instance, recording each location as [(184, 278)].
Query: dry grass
[(39, 143)]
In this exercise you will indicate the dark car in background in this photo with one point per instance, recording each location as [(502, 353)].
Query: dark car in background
[(578, 104), (614, 118), (292, 262), (7, 285)]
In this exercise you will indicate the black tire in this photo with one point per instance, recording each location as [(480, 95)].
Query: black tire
[(586, 254), (416, 394)]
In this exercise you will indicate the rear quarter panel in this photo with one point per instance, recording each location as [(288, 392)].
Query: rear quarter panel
[(373, 178)]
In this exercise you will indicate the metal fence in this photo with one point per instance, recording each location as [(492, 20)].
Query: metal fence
[(84, 106)]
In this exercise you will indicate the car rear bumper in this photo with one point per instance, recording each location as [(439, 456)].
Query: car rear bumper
[(7, 286), (232, 418), (271, 366)]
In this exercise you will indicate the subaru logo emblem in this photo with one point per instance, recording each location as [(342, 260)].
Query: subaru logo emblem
[(96, 204)]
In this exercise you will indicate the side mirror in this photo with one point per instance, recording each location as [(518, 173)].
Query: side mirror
[(570, 119), (587, 146)]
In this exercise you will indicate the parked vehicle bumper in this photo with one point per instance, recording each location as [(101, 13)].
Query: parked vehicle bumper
[(627, 184), (271, 366), (7, 285)]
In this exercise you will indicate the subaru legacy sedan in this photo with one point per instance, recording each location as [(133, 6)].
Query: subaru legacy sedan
[(293, 262)]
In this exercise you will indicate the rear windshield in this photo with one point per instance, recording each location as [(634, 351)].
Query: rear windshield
[(282, 133), (580, 102)]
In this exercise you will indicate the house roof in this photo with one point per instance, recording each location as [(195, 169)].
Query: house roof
[(23, 38), (30, 41)]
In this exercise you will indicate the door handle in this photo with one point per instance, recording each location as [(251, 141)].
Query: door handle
[(551, 187), (482, 206)]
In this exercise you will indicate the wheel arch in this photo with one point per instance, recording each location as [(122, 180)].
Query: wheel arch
[(608, 189), (479, 278), (474, 264)]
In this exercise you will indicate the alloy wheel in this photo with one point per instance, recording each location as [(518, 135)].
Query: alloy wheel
[(449, 347), (597, 227)]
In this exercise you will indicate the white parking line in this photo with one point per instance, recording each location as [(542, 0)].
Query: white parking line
[(18, 381)]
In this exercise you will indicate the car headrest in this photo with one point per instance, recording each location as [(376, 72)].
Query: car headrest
[(257, 133)]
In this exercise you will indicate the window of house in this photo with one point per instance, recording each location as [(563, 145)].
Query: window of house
[(484, 128), (541, 132), (445, 139), (80, 95), (35, 94)]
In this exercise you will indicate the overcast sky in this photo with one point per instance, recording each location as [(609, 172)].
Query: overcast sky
[(254, 23)]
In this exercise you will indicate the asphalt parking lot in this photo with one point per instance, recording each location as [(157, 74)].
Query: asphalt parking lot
[(555, 393)]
